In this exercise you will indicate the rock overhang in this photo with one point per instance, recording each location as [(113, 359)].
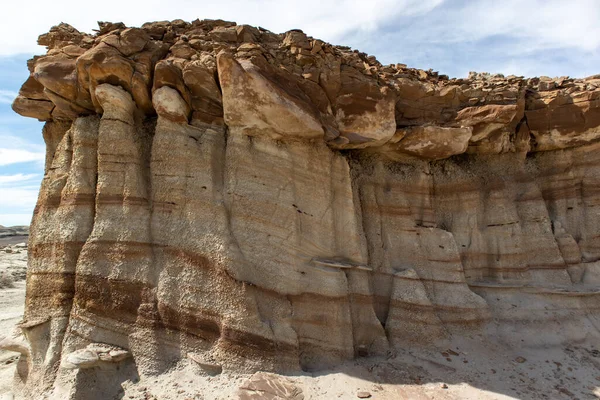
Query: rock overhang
[(293, 85)]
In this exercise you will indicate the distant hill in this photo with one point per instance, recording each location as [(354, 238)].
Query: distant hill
[(13, 234)]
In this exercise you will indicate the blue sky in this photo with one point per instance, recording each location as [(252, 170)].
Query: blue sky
[(21, 148), (521, 37)]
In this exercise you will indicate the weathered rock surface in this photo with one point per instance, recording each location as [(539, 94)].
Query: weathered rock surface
[(95, 354), (267, 386), (253, 201)]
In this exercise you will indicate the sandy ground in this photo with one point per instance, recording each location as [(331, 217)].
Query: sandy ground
[(11, 312), (13, 263), (468, 369), (481, 371), (13, 240)]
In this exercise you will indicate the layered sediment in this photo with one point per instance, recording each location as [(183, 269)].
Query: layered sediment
[(220, 194)]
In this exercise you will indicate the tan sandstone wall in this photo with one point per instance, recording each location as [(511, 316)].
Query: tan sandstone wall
[(244, 200)]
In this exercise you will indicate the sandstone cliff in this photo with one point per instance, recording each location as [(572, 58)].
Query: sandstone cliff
[(223, 195)]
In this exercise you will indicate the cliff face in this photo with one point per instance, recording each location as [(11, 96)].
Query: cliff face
[(245, 200)]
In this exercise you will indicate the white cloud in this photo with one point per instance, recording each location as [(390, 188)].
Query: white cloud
[(538, 24), (420, 26), (18, 197), (14, 156), (7, 96), (15, 149), (21, 170), (327, 19), (544, 23), (11, 141), (16, 178), (15, 219)]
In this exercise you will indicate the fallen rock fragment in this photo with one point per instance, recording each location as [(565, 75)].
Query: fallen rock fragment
[(207, 364), (431, 142), (15, 342), (267, 386), (81, 359), (169, 104), (94, 355)]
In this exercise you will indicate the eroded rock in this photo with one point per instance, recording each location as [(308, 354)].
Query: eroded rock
[(252, 201), (15, 342), (256, 105), (432, 142), (94, 355), (263, 385)]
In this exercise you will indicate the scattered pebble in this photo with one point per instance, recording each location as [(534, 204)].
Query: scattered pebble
[(363, 395)]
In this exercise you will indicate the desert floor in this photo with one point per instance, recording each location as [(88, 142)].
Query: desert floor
[(12, 300)]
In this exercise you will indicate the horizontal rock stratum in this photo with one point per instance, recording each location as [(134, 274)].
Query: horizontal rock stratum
[(223, 195)]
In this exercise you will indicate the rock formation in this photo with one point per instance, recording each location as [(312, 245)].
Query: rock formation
[(222, 195)]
